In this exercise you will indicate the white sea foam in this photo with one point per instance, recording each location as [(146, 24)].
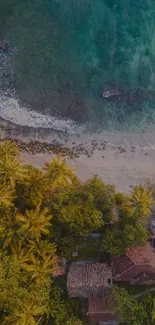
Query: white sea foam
[(12, 111)]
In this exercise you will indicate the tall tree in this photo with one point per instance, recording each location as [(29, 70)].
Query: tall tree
[(32, 190), (131, 310), (11, 170), (8, 148), (40, 269), (34, 223), (139, 202), (103, 196), (7, 196), (59, 173)]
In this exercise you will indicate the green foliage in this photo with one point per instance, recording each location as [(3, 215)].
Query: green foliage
[(134, 311), (74, 321), (63, 310), (32, 190), (119, 198), (80, 219), (8, 148), (45, 213), (18, 296), (7, 196), (102, 195), (34, 223), (128, 231), (59, 174), (139, 202), (112, 241)]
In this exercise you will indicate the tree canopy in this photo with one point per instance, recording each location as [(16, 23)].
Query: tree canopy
[(46, 214)]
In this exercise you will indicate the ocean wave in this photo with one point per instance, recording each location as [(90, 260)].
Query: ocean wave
[(12, 111)]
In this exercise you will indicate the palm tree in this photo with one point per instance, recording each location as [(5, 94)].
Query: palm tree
[(41, 269), (34, 186), (44, 249), (9, 227), (27, 313), (59, 173), (22, 254), (11, 170), (139, 202), (34, 223), (7, 195), (8, 148)]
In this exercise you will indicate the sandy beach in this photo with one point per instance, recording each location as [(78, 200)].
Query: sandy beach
[(121, 159), (123, 170)]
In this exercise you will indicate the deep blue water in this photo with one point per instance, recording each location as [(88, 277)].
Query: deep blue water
[(64, 52)]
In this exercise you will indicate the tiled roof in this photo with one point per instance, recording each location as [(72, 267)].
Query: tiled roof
[(99, 311), (136, 261), (142, 255), (121, 264), (88, 280)]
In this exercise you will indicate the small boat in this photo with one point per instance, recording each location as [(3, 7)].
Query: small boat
[(4, 46)]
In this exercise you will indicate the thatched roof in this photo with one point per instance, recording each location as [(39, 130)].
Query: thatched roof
[(88, 280)]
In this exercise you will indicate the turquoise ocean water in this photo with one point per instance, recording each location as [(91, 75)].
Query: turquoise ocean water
[(64, 53)]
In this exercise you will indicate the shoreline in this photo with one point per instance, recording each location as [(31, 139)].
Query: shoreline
[(124, 161)]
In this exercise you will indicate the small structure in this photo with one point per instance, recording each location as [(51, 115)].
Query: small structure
[(137, 265), (89, 280), (100, 312)]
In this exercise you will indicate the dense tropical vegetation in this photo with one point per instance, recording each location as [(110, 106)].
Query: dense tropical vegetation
[(46, 213)]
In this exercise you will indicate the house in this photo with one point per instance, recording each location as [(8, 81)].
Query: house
[(89, 280), (100, 312), (93, 281), (137, 265)]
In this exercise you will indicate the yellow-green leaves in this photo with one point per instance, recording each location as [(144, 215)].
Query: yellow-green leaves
[(139, 202), (7, 195), (34, 223), (59, 174), (11, 171)]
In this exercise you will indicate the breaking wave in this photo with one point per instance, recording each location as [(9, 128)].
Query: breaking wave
[(13, 111)]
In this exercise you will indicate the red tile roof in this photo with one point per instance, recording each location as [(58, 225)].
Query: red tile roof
[(142, 255), (121, 264), (99, 311), (135, 261)]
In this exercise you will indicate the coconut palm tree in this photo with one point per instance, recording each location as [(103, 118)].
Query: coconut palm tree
[(41, 269), (139, 202), (7, 195), (34, 186), (44, 249), (8, 148), (59, 173), (8, 227), (22, 254), (11, 170), (34, 223), (27, 313)]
